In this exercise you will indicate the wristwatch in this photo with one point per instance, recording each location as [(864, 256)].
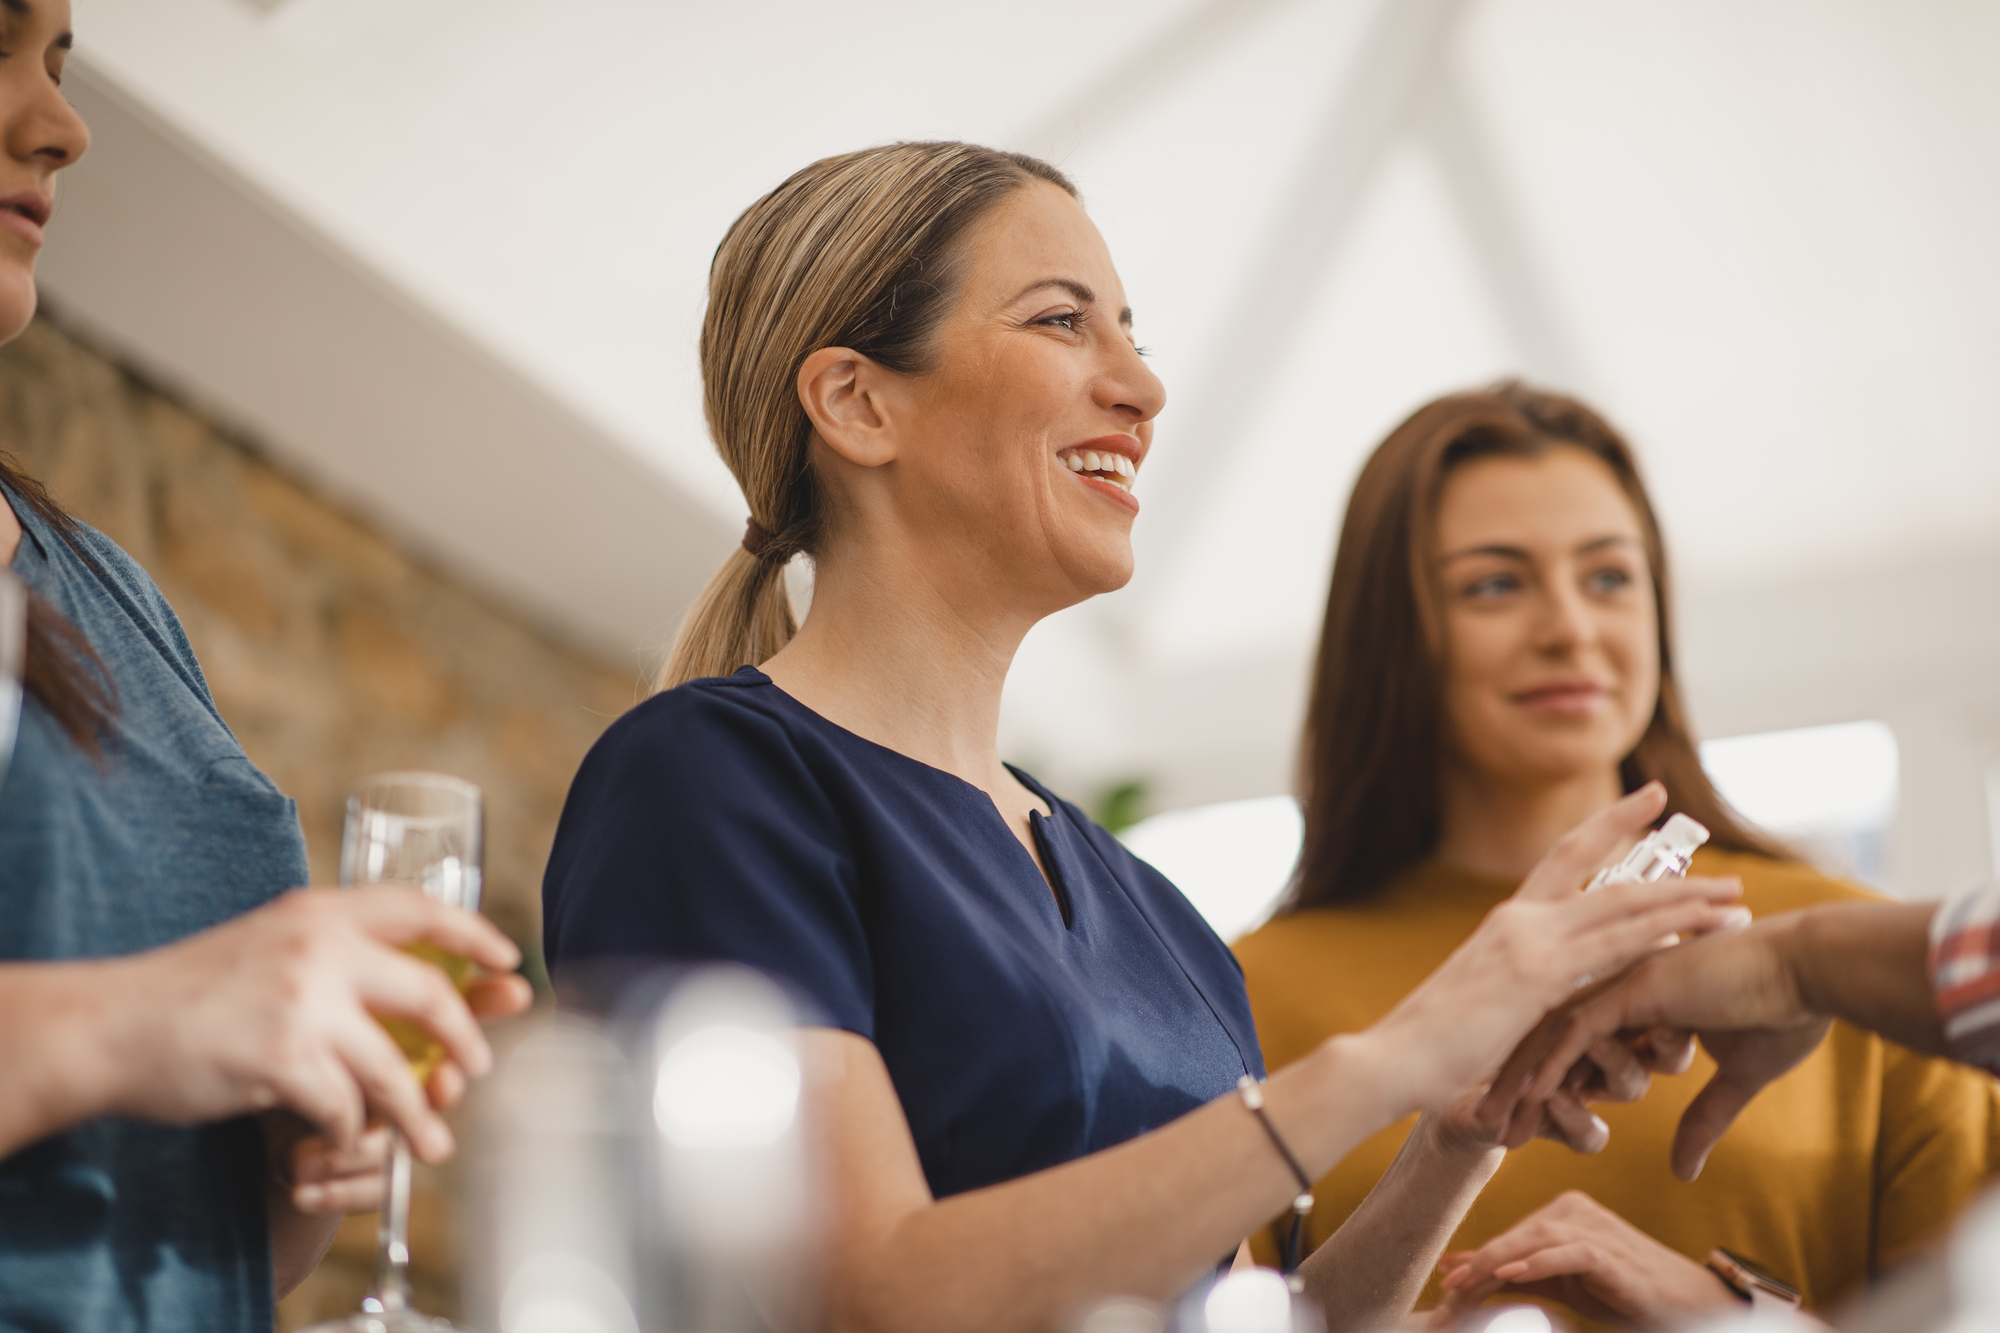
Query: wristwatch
[(1752, 1283)]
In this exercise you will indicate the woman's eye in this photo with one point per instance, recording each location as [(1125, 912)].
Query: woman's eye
[(1068, 319), (1494, 585), (1608, 581)]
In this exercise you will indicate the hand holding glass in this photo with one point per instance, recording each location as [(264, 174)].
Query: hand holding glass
[(422, 830)]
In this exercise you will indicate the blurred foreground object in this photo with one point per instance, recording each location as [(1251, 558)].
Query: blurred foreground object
[(13, 653), (648, 1171), (733, 1175), (550, 1213)]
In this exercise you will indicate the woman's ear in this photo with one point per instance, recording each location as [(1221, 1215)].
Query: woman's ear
[(848, 397)]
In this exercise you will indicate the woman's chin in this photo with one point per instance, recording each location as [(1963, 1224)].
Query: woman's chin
[(17, 301), (1105, 569)]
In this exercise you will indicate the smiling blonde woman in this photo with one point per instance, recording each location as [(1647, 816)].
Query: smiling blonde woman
[(918, 361), (1496, 665)]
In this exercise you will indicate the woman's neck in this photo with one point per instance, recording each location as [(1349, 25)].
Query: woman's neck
[(1502, 827), (908, 662)]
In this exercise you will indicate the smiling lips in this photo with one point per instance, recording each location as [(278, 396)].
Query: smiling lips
[(1111, 459), (1563, 698)]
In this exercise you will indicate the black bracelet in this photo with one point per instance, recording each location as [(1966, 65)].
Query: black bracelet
[(1252, 1093)]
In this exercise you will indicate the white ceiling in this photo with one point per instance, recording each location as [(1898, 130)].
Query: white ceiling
[(1758, 232)]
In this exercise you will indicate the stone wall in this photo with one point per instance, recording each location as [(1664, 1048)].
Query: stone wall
[(331, 651)]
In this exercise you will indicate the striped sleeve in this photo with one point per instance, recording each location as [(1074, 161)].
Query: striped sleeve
[(1965, 973)]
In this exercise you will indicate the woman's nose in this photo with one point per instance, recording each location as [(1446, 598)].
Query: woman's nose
[(1566, 622), (1130, 387), (46, 130)]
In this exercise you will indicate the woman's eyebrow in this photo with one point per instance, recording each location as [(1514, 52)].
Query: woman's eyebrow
[(1084, 293), (1081, 291), (1492, 548)]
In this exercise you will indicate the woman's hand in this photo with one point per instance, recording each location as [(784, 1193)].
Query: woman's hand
[(278, 1008), (1611, 1071), (1577, 1251), (1737, 992), (1533, 952)]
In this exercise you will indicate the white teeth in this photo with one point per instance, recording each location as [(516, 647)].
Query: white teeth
[(1116, 468)]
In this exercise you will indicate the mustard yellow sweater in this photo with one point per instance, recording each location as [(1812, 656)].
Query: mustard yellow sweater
[(1837, 1172)]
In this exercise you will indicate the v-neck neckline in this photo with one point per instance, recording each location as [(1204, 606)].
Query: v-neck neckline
[(1047, 875)]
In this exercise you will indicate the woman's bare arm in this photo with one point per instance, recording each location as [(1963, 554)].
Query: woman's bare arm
[(1370, 1272), (1149, 1216)]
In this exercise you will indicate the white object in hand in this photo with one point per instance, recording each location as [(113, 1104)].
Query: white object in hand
[(1667, 850)]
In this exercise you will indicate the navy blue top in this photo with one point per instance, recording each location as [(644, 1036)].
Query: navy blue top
[(115, 1225), (725, 820)]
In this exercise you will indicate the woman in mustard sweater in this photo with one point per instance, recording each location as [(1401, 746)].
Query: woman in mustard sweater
[(1495, 665)]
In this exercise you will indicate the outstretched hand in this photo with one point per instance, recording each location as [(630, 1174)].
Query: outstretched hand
[(1734, 991), (1533, 951)]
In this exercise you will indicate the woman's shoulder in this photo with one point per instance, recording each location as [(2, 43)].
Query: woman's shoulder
[(1772, 885), (693, 724)]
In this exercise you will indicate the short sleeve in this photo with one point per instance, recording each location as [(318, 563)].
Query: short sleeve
[(696, 831), (1965, 973)]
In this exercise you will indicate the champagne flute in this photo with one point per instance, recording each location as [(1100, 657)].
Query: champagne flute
[(423, 830), (13, 656)]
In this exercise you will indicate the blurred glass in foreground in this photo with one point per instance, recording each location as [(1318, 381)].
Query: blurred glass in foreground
[(550, 1218), (13, 658), (733, 1178)]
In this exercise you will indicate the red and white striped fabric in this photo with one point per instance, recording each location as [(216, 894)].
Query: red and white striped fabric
[(1965, 973)]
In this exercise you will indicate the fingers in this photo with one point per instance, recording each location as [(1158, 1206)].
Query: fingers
[(1711, 1112), (1622, 902), (1621, 1077), (1577, 1257), (1578, 1128), (328, 1179), (398, 916), (349, 1194), (1610, 947), (319, 1088), (317, 1160), (446, 1085), (383, 1073), (1561, 874), (499, 997), (398, 986), (1667, 1050)]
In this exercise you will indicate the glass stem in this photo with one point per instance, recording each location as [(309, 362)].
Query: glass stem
[(392, 1272)]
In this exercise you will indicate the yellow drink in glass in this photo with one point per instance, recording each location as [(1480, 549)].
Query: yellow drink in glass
[(422, 1050)]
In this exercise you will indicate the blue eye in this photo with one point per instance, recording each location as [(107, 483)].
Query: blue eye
[(1494, 585), (1608, 581)]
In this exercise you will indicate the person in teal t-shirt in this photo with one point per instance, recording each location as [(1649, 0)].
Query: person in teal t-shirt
[(173, 1022)]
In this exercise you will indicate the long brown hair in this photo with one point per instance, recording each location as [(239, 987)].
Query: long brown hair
[(1374, 736), (61, 671), (862, 251)]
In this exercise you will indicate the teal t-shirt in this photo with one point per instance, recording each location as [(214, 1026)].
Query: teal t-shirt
[(117, 1226)]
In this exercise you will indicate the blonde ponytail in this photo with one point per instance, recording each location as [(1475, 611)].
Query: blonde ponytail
[(860, 251)]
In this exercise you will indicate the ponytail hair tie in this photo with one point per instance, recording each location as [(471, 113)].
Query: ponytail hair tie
[(757, 541)]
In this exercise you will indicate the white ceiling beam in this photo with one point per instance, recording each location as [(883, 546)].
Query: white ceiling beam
[(1151, 71), (1524, 293), (1396, 59)]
